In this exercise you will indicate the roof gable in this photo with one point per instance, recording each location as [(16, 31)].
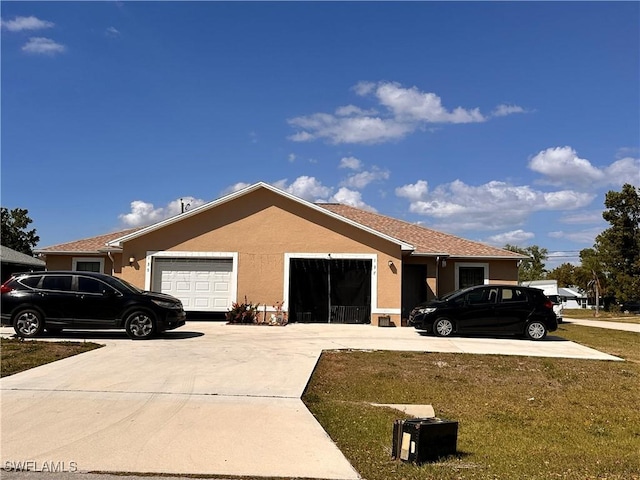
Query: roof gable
[(117, 242)]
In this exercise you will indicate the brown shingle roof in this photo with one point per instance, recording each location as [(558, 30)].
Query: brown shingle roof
[(86, 245), (425, 240)]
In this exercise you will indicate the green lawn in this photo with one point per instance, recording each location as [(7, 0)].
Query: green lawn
[(519, 417), (18, 355)]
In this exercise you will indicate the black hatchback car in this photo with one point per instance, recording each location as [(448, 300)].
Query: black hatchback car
[(52, 301), (488, 309)]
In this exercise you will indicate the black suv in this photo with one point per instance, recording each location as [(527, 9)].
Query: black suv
[(488, 309), (37, 301)]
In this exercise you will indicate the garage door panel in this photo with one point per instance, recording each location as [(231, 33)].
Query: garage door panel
[(201, 284)]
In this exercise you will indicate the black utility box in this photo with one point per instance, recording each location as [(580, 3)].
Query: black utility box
[(422, 439)]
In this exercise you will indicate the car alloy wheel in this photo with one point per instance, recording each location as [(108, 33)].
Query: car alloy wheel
[(28, 324), (443, 327), (536, 330), (140, 325)]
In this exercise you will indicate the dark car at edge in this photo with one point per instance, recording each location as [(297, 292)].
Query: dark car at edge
[(488, 309), (56, 300)]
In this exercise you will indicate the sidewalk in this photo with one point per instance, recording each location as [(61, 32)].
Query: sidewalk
[(629, 327)]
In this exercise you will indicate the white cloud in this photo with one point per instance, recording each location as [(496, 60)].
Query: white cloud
[(626, 170), (235, 187), (19, 24), (405, 110), (44, 46), (583, 217), (308, 188), (413, 192), (362, 179), (351, 163), (291, 157), (350, 197), (112, 32), (492, 206), (347, 129), (410, 104), (504, 110), (144, 213), (312, 190), (563, 166), (514, 237), (586, 236)]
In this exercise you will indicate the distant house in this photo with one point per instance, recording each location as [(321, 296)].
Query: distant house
[(326, 262), (14, 262), (573, 297), (568, 297)]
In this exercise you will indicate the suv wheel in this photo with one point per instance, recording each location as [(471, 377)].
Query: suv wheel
[(443, 327), (140, 325), (28, 323), (536, 330)]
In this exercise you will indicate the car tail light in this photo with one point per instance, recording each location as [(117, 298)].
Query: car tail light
[(5, 288), (548, 304)]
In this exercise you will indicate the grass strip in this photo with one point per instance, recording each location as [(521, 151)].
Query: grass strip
[(19, 355), (520, 417)]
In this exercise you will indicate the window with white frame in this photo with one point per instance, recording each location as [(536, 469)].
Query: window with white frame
[(88, 264), (471, 274)]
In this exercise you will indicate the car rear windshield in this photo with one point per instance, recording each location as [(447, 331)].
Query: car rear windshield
[(31, 281)]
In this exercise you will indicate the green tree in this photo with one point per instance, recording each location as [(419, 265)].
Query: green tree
[(618, 247), (14, 230), (564, 274), (590, 268), (533, 267)]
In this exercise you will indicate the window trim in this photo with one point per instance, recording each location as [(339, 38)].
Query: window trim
[(460, 265), (76, 260)]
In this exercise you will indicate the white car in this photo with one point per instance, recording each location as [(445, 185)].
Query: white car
[(557, 306)]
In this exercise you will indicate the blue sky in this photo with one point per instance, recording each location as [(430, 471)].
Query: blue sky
[(499, 122)]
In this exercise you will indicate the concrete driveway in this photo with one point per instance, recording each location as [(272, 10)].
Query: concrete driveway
[(208, 398)]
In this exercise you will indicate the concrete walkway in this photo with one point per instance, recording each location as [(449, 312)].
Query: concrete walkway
[(628, 327), (205, 399)]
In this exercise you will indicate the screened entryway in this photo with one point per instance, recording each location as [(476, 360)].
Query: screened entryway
[(330, 290)]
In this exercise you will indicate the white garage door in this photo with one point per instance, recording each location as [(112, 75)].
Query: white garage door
[(202, 284)]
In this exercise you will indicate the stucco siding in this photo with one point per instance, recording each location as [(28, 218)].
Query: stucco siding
[(262, 227)]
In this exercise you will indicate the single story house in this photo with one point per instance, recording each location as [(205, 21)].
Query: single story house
[(573, 297), (14, 262), (325, 262)]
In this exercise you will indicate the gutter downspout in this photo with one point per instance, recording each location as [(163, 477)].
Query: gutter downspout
[(112, 262), (437, 277)]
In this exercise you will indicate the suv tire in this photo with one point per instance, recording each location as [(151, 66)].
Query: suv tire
[(28, 323), (140, 325)]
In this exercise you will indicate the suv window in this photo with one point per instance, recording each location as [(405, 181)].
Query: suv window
[(57, 282), (31, 282), (91, 285)]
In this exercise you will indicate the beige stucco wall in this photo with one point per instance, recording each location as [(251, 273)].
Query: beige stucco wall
[(261, 227), (65, 262), (499, 271)]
